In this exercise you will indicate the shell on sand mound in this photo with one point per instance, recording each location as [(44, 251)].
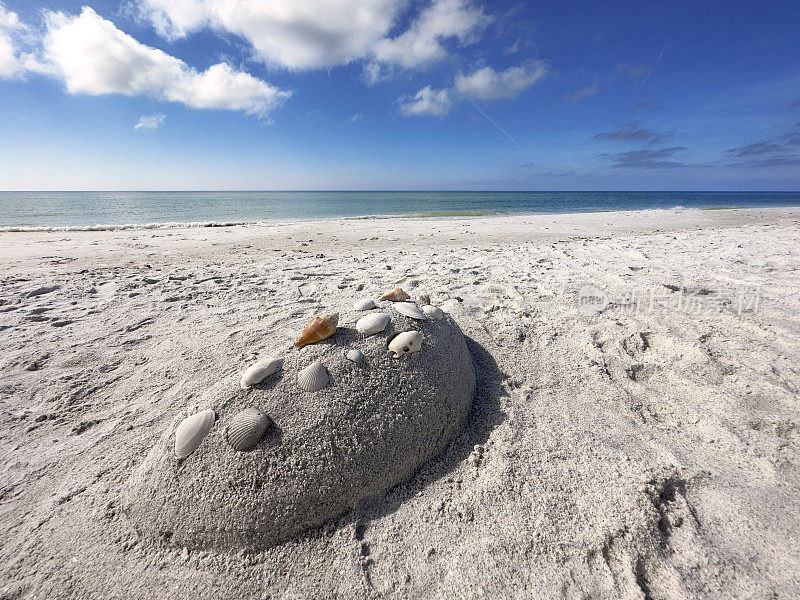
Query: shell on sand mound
[(368, 430)]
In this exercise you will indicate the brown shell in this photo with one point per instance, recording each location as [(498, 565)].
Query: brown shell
[(395, 295), (318, 329)]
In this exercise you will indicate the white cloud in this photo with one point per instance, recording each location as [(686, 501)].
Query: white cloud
[(427, 102), (297, 34), (150, 122), (488, 84), (422, 42), (309, 34), (10, 29), (93, 57), (483, 84)]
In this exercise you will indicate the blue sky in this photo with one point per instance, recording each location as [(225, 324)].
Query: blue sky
[(397, 94)]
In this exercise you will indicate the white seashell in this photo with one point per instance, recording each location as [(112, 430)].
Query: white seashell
[(406, 343), (191, 432), (314, 377), (409, 310), (356, 356), (372, 323), (365, 304), (247, 428), (260, 371), (433, 312)]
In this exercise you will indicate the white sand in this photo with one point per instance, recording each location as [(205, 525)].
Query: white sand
[(642, 454)]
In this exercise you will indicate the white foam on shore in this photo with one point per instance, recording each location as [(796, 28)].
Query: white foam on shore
[(124, 226)]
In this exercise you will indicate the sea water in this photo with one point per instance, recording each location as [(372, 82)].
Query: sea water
[(111, 210)]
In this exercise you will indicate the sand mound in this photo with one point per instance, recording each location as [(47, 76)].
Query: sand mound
[(369, 429)]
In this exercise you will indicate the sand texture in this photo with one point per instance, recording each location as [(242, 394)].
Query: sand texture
[(635, 452)]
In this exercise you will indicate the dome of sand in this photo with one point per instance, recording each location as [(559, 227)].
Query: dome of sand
[(367, 430)]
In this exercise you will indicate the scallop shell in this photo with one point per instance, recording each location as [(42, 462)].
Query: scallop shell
[(356, 356), (191, 432), (260, 371), (424, 299), (365, 304), (395, 295), (406, 343), (247, 428), (372, 323), (319, 328), (409, 310), (314, 377), (433, 311)]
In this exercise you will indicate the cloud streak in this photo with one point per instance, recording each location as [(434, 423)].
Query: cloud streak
[(150, 122), (647, 159), (630, 132)]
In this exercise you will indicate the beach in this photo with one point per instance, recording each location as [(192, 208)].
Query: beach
[(635, 431)]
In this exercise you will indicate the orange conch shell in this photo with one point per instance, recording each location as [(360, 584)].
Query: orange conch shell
[(395, 295), (319, 328)]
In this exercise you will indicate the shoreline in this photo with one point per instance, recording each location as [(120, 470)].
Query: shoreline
[(463, 214)]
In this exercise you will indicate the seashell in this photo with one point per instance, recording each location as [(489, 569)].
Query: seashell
[(372, 323), (314, 377), (191, 432), (365, 304), (319, 328), (424, 299), (246, 429), (406, 343), (433, 312), (409, 310), (260, 371), (395, 295), (356, 356)]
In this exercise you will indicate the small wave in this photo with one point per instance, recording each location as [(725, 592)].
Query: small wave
[(121, 227)]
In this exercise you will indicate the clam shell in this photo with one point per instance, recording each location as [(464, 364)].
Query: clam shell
[(372, 323), (314, 377), (259, 371), (409, 310), (433, 311), (356, 356), (247, 428), (365, 304), (318, 329), (406, 343), (395, 295), (191, 432)]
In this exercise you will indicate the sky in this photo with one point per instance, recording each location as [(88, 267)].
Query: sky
[(399, 95)]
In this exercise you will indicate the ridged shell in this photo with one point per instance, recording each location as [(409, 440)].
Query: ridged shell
[(409, 310), (356, 356), (365, 304), (314, 377), (191, 432), (406, 343), (395, 295), (318, 329), (259, 371), (372, 323), (433, 312), (246, 429)]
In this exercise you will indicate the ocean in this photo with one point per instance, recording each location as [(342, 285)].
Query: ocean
[(121, 210)]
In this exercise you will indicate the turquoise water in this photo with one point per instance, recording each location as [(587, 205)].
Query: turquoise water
[(111, 209)]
